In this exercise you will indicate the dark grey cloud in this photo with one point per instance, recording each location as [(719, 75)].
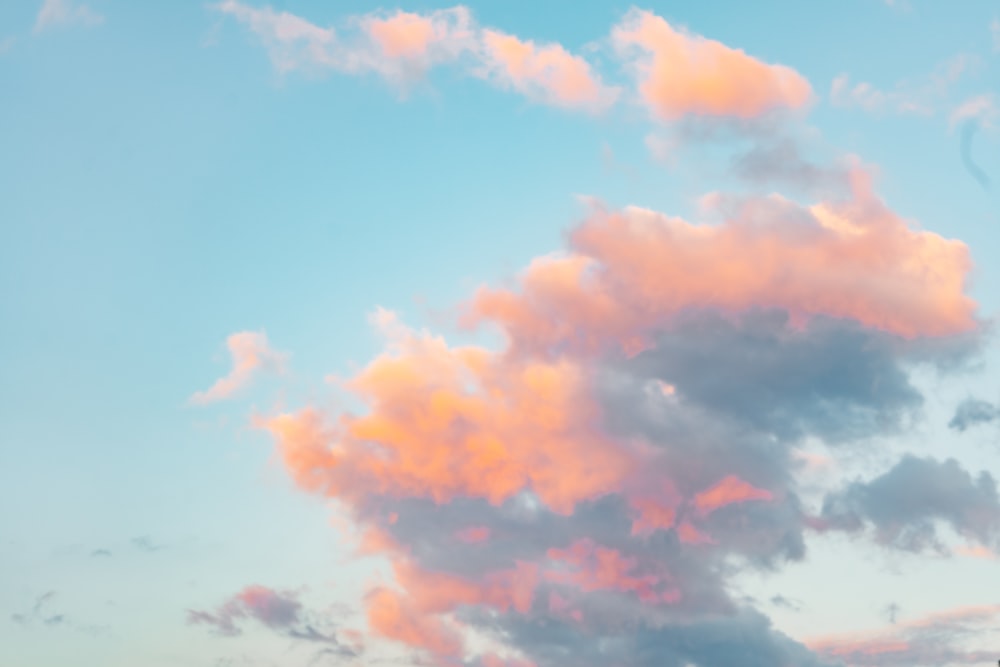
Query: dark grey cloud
[(905, 504), (831, 379), (974, 412)]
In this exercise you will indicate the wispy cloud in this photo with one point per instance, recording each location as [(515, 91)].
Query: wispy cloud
[(66, 12), (251, 353), (278, 611), (923, 96), (928, 641)]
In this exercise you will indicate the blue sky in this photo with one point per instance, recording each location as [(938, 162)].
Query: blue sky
[(166, 182)]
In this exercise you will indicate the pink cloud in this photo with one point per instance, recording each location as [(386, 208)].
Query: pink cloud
[(544, 73), (632, 271), (680, 73), (730, 490), (251, 353)]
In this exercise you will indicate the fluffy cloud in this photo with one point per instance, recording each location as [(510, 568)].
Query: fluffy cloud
[(904, 504), (680, 73), (585, 494), (251, 353)]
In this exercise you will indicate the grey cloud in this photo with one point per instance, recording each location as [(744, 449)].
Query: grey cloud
[(974, 412), (904, 504)]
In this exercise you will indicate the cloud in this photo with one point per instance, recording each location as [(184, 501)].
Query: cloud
[(679, 73), (923, 96), (279, 612), (995, 33), (544, 73), (904, 504), (982, 109), (100, 553), (585, 493), (630, 271), (927, 641), (973, 412), (251, 353), (144, 543), (403, 47), (65, 12)]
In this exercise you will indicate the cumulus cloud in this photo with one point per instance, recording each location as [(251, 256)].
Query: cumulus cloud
[(251, 353), (679, 73), (65, 12), (904, 504), (584, 494)]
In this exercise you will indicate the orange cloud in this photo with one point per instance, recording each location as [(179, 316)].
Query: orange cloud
[(680, 73), (250, 352), (545, 73), (393, 616), (730, 490), (632, 271), (448, 422)]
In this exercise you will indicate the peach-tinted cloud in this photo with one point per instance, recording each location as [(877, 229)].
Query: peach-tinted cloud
[(730, 490), (404, 46), (251, 353), (680, 73), (632, 271), (65, 12), (449, 422), (544, 73), (392, 615)]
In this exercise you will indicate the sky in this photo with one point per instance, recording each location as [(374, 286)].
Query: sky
[(499, 335)]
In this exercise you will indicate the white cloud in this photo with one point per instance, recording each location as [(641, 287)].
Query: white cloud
[(65, 12)]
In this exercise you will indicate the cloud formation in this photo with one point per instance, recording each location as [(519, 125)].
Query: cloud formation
[(580, 495), (677, 74), (903, 505), (251, 353)]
